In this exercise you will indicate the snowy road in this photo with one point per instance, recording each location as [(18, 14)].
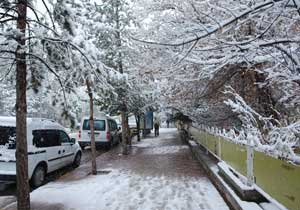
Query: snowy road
[(159, 174)]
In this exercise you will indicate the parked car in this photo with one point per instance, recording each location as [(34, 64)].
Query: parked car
[(131, 123), (105, 128), (49, 149)]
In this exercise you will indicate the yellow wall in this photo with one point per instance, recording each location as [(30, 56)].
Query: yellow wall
[(278, 178)]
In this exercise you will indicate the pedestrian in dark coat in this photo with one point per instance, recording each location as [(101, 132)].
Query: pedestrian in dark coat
[(156, 129)]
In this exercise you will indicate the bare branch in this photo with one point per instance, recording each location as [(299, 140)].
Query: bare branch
[(49, 13)]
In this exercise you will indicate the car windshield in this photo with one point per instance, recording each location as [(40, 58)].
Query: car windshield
[(8, 136), (99, 125)]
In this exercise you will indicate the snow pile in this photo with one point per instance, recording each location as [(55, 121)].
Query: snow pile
[(239, 180), (126, 191), (193, 143)]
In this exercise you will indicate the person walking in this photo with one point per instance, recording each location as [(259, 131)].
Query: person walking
[(156, 129), (168, 123)]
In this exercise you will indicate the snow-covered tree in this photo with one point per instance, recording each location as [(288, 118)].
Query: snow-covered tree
[(54, 57), (252, 46)]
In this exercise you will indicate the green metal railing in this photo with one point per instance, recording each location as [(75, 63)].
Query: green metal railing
[(278, 178)]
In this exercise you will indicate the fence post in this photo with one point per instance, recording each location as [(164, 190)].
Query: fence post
[(219, 150), (206, 141), (250, 156)]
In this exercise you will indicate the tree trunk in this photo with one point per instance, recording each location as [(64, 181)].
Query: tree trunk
[(120, 68), (124, 138), (128, 132), (137, 117), (118, 37), (23, 190), (93, 144)]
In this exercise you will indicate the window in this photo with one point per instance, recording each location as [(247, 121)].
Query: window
[(110, 125), (63, 137), (46, 138), (8, 136), (113, 125), (99, 125)]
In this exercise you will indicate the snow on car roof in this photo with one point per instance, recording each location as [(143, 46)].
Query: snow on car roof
[(7, 121), (31, 122), (99, 117)]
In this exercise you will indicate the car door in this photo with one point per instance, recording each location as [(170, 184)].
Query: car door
[(49, 140), (66, 148)]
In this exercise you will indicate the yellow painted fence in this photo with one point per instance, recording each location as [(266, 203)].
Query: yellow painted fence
[(278, 178)]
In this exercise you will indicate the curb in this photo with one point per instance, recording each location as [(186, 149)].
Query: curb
[(209, 164)]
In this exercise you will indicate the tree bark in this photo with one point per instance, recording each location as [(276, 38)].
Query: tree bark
[(120, 68), (23, 190), (118, 36), (124, 138), (128, 132), (91, 121), (137, 117)]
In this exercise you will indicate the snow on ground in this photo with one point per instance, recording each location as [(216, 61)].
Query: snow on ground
[(167, 179), (6, 200), (165, 135), (167, 130), (165, 150), (125, 191), (125, 188)]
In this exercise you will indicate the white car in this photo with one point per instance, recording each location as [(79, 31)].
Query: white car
[(105, 128), (49, 149)]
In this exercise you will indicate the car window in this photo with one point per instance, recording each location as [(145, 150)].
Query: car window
[(63, 137), (8, 136), (112, 125), (46, 138), (99, 125)]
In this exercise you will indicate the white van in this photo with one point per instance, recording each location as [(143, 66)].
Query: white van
[(49, 149), (106, 132)]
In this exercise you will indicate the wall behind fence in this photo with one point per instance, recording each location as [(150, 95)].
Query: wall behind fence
[(278, 178)]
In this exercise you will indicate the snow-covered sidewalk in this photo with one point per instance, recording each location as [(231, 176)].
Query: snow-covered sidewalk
[(159, 174)]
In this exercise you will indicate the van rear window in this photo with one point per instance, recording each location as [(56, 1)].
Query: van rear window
[(8, 136), (99, 125)]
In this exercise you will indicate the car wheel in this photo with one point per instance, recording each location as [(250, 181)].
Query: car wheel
[(77, 160), (38, 177)]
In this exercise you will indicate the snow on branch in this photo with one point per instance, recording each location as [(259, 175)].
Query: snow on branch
[(275, 139)]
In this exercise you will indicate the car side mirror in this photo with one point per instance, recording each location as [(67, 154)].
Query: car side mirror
[(119, 128), (73, 140)]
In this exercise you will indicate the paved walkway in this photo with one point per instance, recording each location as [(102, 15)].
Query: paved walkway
[(159, 174)]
